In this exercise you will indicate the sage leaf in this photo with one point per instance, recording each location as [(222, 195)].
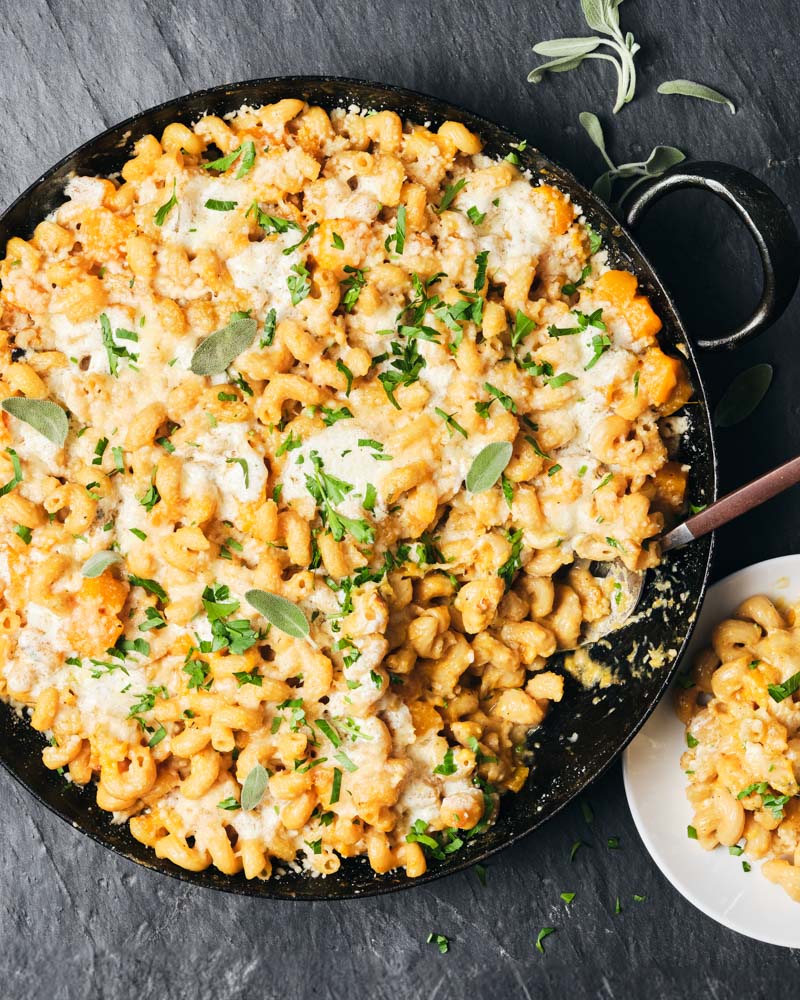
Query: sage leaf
[(213, 355), (562, 65), (45, 416), (569, 53), (97, 564), (688, 88), (488, 466), (596, 14), (279, 612), (602, 186), (743, 395), (661, 159), (594, 129), (561, 47), (255, 784)]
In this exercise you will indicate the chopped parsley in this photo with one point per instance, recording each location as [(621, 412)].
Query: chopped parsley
[(452, 424), (448, 765), (328, 491), (778, 692), (571, 287), (16, 478), (482, 409), (215, 205), (268, 334), (271, 223), (161, 215), (545, 931), (305, 238), (405, 368), (449, 194), (299, 284), (513, 564), (113, 350), (24, 533), (398, 237), (441, 942), (342, 367), (480, 272), (242, 463), (230, 803), (352, 286)]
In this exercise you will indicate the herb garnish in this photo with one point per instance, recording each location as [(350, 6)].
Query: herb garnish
[(659, 161), (299, 283), (246, 150), (45, 416), (305, 238), (449, 193), (441, 942), (543, 933), (568, 53), (352, 286), (215, 205), (279, 612), (114, 350), (452, 423), (688, 88), (788, 687), (398, 237), (488, 465), (161, 215)]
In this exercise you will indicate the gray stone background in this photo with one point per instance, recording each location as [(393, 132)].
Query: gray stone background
[(77, 922)]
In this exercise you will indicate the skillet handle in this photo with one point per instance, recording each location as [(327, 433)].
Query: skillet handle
[(747, 497), (765, 216)]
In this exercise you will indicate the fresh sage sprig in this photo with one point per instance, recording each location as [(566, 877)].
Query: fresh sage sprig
[(688, 88), (43, 415), (569, 53), (660, 160)]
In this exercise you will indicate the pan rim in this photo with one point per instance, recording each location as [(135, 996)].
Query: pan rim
[(590, 204)]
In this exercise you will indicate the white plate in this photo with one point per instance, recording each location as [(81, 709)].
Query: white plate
[(656, 788)]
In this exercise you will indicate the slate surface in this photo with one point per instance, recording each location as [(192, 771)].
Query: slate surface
[(75, 921)]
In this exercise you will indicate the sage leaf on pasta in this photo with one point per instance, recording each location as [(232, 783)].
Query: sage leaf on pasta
[(45, 416), (488, 466), (279, 612), (97, 564), (255, 784), (743, 395), (213, 355), (688, 88)]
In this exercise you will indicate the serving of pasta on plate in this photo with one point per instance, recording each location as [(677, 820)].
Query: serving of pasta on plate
[(313, 426), (743, 756)]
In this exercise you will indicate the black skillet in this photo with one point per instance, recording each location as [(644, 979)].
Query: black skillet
[(586, 732)]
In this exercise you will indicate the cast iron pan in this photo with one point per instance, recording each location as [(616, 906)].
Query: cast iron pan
[(583, 734)]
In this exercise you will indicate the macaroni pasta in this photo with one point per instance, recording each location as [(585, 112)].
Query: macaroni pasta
[(742, 724), (351, 406)]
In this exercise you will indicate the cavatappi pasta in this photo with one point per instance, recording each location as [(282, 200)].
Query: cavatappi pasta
[(385, 304), (742, 730)]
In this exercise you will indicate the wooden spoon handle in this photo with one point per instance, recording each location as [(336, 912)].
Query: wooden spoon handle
[(753, 494)]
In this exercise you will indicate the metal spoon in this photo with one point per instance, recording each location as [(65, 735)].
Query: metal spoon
[(728, 508)]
